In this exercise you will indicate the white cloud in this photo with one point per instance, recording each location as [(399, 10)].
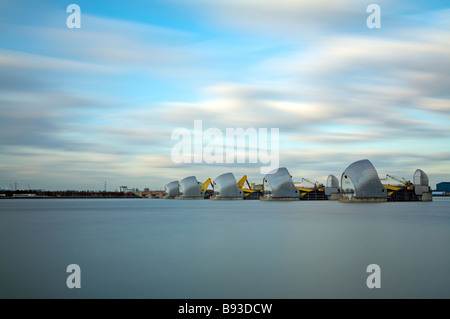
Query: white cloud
[(107, 46), (435, 104), (341, 95), (284, 18)]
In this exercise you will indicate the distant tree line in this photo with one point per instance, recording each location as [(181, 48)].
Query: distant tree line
[(66, 193)]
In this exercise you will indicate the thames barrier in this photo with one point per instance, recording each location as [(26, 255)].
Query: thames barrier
[(358, 183)]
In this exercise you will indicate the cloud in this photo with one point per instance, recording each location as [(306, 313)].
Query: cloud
[(439, 105), (316, 164), (103, 46), (284, 18), (103, 100), (56, 93)]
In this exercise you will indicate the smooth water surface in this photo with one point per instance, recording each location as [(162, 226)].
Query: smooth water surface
[(155, 248)]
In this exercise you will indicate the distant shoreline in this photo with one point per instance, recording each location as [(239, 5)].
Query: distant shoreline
[(30, 194), (105, 197), (77, 197)]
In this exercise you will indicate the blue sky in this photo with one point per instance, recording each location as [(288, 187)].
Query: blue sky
[(83, 106)]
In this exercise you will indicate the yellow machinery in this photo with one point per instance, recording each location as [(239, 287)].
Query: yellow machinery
[(248, 192), (207, 192), (401, 181), (403, 190), (205, 185), (242, 182), (394, 188), (316, 184), (317, 192)]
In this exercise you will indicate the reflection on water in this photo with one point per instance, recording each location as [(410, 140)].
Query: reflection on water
[(149, 248)]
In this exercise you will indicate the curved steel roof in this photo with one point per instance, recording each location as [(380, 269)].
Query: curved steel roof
[(365, 179), (420, 178), (332, 181), (225, 186), (278, 183), (172, 189), (189, 187)]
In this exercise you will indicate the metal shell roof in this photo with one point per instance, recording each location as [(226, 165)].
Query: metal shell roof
[(420, 178), (365, 179), (189, 187), (225, 186), (172, 189), (280, 184), (332, 181)]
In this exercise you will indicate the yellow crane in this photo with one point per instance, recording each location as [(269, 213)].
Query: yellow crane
[(205, 185), (401, 181), (391, 188), (316, 184), (247, 191), (305, 190), (242, 181)]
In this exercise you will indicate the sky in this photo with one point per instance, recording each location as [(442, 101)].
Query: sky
[(83, 106)]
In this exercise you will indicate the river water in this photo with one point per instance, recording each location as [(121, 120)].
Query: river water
[(156, 248)]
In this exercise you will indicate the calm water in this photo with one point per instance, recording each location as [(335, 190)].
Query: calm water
[(150, 248)]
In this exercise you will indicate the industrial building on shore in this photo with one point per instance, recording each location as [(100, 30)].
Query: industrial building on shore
[(443, 187)]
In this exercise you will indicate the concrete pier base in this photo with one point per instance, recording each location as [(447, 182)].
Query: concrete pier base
[(225, 198), (279, 199), (362, 200), (334, 197)]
